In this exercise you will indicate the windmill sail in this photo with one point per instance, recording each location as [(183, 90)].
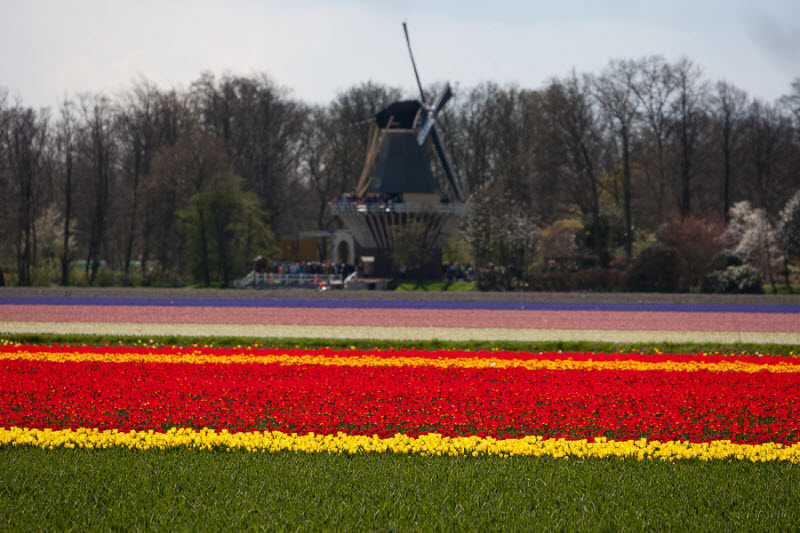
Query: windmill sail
[(413, 63), (430, 115)]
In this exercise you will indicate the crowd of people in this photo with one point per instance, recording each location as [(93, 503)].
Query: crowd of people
[(381, 200), (385, 198), (450, 272), (458, 272)]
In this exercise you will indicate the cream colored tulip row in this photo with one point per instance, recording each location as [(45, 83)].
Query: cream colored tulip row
[(398, 333)]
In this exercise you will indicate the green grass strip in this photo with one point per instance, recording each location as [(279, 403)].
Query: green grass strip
[(436, 286), (305, 343), (176, 490)]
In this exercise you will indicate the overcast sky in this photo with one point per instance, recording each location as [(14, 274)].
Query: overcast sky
[(53, 48)]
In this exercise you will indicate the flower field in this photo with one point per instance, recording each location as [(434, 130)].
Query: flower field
[(345, 318), (180, 413), (444, 402)]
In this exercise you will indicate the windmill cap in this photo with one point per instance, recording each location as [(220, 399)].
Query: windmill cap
[(402, 114)]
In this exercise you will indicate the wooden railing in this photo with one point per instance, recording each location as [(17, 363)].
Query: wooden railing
[(274, 280)]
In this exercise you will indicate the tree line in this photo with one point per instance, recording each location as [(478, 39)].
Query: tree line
[(159, 185)]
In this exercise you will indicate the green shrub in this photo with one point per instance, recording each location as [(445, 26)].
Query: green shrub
[(658, 268), (723, 260), (696, 239), (734, 279), (108, 277), (78, 277), (46, 273), (591, 279)]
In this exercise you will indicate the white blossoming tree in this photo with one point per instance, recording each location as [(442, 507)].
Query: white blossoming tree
[(499, 233), (750, 235)]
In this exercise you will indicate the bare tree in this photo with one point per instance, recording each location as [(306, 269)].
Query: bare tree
[(493, 138), (576, 140), (5, 178), (654, 85), (690, 122), (177, 173), (260, 128), (318, 157), (65, 142), (139, 138), (768, 153), (791, 101), (488, 130), (98, 146), (25, 145), (614, 90), (728, 105)]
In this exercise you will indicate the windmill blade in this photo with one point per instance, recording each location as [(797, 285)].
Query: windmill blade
[(413, 63), (448, 168), (425, 129), (446, 95), (430, 116)]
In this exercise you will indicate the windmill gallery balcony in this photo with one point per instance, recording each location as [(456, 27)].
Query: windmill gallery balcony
[(339, 207), (375, 222)]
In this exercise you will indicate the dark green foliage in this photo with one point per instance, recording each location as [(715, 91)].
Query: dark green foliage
[(592, 279), (436, 286), (696, 240), (658, 268), (724, 259), (606, 233), (412, 257), (225, 228)]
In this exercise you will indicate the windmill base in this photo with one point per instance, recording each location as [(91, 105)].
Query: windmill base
[(380, 263)]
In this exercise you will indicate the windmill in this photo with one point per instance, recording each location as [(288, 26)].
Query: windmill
[(397, 190)]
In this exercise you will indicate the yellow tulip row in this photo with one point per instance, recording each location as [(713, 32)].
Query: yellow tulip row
[(199, 356), (426, 445)]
